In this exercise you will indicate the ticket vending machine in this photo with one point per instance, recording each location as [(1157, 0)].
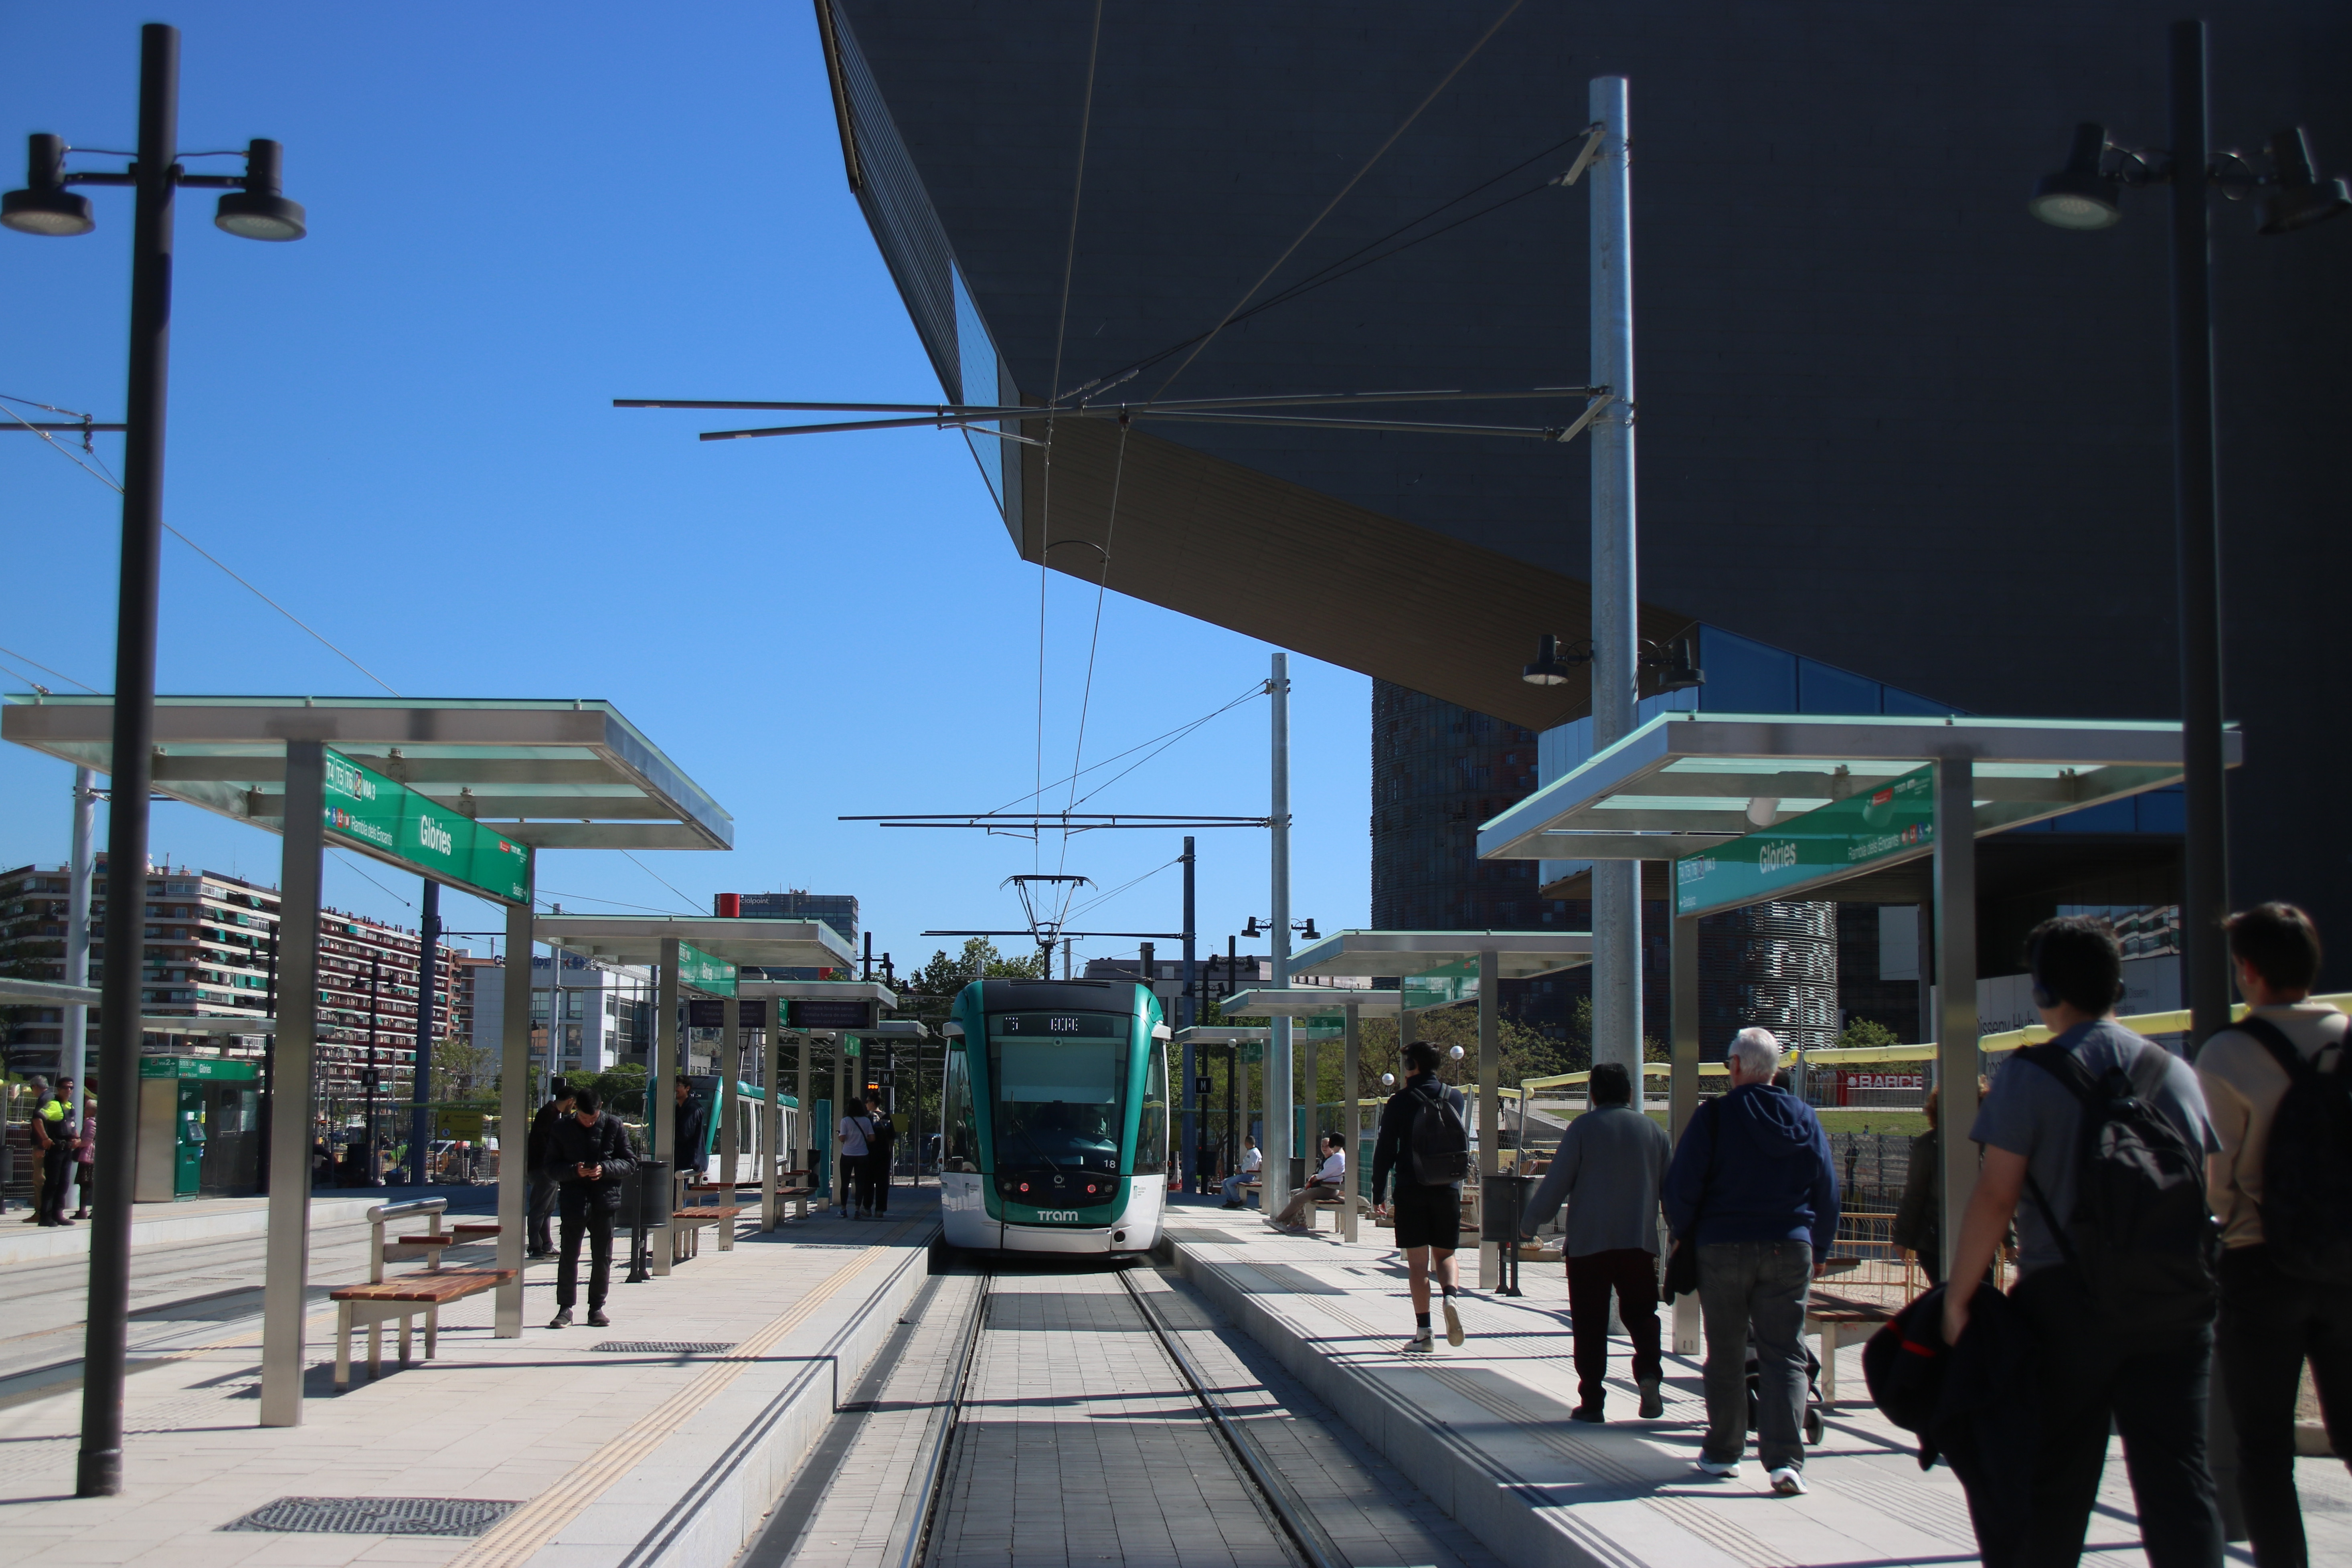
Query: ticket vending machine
[(199, 1128)]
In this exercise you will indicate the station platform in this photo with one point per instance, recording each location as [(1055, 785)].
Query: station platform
[(657, 1443), (1485, 1431)]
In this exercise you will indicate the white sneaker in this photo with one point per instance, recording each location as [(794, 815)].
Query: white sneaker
[(1421, 1343), (1453, 1324), (1726, 1469), (1788, 1481)]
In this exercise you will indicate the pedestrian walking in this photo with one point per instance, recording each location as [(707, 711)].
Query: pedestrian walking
[(53, 1135), (693, 1129), (588, 1158), (1609, 1168), (1919, 1226), (542, 1189), (1424, 1139), (1253, 1161), (1753, 1193), (881, 1149), (2279, 1088), (2108, 1135), (852, 1131), (1326, 1185), (86, 1158)]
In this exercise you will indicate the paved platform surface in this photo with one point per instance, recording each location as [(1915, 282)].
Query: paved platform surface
[(649, 1455), (1486, 1428)]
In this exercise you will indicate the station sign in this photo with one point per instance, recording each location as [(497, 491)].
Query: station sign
[(698, 970), (1896, 821), (379, 816), (1201, 1084)]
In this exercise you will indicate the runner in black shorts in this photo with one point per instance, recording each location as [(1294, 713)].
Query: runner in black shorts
[(1428, 1217)]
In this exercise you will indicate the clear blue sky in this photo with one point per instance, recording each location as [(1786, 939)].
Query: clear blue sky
[(400, 429)]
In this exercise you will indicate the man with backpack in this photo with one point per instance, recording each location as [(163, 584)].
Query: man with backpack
[(1753, 1194), (1424, 1138), (2280, 1090), (2095, 1145)]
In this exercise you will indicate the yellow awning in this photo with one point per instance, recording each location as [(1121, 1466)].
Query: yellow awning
[(2173, 1023)]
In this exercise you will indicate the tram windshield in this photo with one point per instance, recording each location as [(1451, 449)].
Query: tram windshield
[(1061, 1088)]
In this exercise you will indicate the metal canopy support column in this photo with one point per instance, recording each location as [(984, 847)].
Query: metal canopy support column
[(1682, 1088), (1490, 1109), (1956, 992), (420, 1077), (515, 1108), (805, 1126), (772, 1110), (1189, 1171), (1352, 1118), (286, 1271), (1313, 1092), (731, 1053), (842, 1195), (663, 1109), (1276, 1192)]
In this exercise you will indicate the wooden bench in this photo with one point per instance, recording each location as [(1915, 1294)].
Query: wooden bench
[(378, 1302), (475, 1230), (1834, 1318), (686, 1224)]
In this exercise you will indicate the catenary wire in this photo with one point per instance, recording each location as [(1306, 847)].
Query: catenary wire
[(1094, 637), (1170, 736), (44, 670), (1315, 222), (109, 481), (657, 876)]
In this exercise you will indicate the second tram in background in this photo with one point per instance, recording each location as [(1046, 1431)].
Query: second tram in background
[(1057, 1117)]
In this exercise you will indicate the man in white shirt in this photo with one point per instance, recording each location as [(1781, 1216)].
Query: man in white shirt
[(1251, 1163), (1326, 1186), (852, 1131)]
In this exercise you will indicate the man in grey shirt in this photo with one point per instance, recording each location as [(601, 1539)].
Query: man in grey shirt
[(1608, 1166), (2089, 1372)]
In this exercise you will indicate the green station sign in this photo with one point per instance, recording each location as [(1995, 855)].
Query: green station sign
[(1896, 821), (392, 822), (697, 971)]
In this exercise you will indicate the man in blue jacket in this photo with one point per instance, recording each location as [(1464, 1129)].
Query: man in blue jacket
[(1753, 1189)]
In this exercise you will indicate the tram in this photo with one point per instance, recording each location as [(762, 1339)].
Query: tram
[(1057, 1117)]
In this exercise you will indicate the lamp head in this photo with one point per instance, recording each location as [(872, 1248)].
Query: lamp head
[(2080, 197), (2302, 198), (1308, 931), (45, 206), (1681, 670), (259, 211), (1550, 669)]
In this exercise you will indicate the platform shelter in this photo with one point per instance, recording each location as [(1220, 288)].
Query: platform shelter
[(833, 1013)]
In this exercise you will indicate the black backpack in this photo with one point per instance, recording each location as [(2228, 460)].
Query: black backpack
[(2307, 1167), (2141, 1238), (1437, 1144)]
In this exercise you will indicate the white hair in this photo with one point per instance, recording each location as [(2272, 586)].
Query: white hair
[(1757, 1051)]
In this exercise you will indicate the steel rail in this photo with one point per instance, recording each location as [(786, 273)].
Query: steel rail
[(935, 1468)]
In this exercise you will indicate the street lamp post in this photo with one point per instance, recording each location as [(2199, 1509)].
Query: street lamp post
[(2086, 195), (253, 209)]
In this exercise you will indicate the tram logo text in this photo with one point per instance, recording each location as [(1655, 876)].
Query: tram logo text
[(1064, 1216)]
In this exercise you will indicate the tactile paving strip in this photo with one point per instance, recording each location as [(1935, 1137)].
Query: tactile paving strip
[(375, 1516)]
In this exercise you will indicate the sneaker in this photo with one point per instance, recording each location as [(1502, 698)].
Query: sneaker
[(1724, 1468), (1453, 1324), (1421, 1343), (597, 1319), (1654, 1399), (562, 1319), (1229, 1205), (1590, 1414), (1788, 1481)]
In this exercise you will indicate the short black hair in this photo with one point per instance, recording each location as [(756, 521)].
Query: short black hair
[(1611, 1084), (555, 1087), (584, 1098), (2281, 944), (1421, 1057), (2076, 958)]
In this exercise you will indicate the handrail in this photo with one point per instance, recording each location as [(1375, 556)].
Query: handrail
[(401, 1210)]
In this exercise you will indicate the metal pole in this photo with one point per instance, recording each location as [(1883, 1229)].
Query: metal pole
[(1351, 1119), (731, 1055), (663, 1112), (99, 1470), (805, 1126), (1682, 1087), (1955, 971), (1616, 884), (1275, 1192), (376, 990), (1195, 1108), (2205, 856), (515, 1109), (77, 1030), (269, 1069), (772, 1115), (1490, 1108), (287, 1268), (420, 1072)]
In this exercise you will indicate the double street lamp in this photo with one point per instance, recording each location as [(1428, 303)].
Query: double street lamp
[(2085, 196), (253, 208)]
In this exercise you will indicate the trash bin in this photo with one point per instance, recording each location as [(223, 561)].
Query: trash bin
[(646, 1197), (1504, 1201)]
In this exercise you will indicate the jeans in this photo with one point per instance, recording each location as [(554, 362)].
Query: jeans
[(868, 1173), (2271, 1321), (1633, 1274), (1232, 1187), (57, 1182), (542, 1210), (2154, 1396), (1759, 1287), (585, 1210)]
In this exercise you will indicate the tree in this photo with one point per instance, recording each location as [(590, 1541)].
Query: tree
[(944, 976), (621, 1088), (1861, 1032), (468, 1070)]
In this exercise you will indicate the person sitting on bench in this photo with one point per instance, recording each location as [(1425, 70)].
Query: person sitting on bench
[(588, 1158), (1326, 1186), (1250, 1161)]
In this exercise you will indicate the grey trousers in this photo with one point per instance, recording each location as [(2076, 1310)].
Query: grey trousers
[(1755, 1288)]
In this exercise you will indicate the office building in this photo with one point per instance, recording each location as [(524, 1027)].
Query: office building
[(601, 1015)]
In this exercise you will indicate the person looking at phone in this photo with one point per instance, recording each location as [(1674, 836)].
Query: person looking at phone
[(588, 1159)]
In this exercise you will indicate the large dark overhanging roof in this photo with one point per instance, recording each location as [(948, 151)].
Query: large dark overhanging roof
[(1884, 416)]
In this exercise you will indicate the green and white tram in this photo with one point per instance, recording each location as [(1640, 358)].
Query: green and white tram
[(1057, 1117)]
